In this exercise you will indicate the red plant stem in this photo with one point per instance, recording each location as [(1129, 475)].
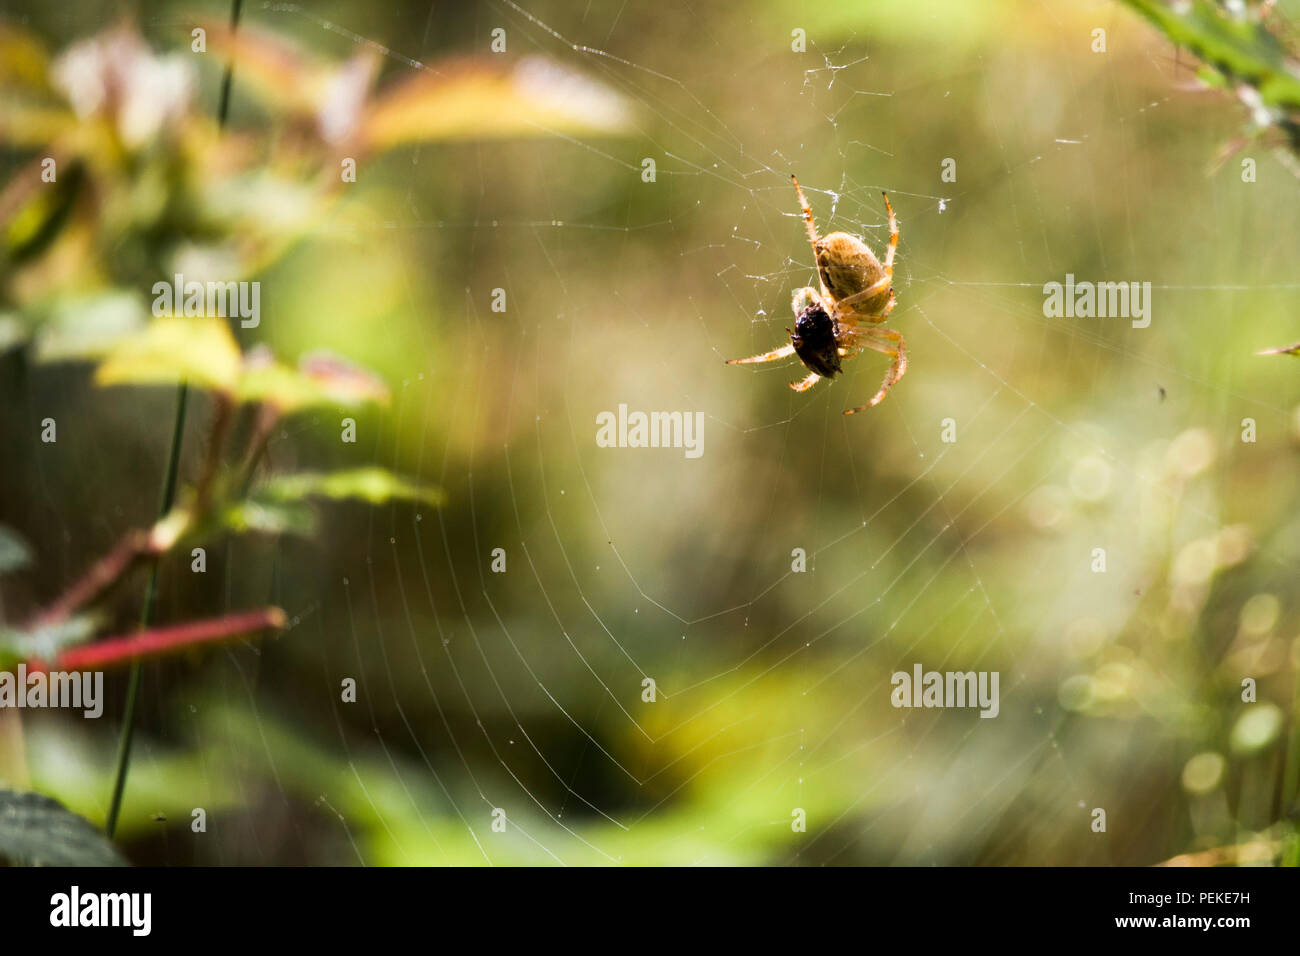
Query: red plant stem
[(122, 650), (104, 572)]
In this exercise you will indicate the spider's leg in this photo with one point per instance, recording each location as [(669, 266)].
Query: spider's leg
[(804, 298), (812, 233), (893, 237), (897, 351), (807, 213), (844, 307), (806, 383), (784, 351), (849, 342)]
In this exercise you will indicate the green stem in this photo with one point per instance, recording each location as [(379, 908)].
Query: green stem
[(223, 108), (168, 499), (146, 617)]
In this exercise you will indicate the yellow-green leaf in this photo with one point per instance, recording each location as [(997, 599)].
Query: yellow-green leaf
[(1240, 47), (375, 485), (479, 99), (267, 517), (320, 379), (200, 351)]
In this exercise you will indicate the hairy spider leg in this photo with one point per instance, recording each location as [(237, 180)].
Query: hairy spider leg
[(784, 351), (893, 237), (812, 232), (806, 383), (897, 369), (878, 339), (845, 313)]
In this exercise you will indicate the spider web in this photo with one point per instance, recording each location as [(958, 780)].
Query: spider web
[(523, 690)]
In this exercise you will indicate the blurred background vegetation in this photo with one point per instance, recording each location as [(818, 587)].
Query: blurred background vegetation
[(523, 171)]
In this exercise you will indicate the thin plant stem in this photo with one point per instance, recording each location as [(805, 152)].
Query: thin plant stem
[(168, 499), (112, 651), (101, 575), (146, 618), (223, 108)]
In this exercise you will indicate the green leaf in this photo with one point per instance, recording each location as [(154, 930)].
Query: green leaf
[(89, 326), (1240, 48), (14, 553), (374, 485), (36, 830), (267, 517), (320, 379), (279, 505), (200, 351), (203, 352)]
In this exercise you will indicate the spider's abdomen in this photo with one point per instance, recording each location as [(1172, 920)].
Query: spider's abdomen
[(814, 341), (848, 267)]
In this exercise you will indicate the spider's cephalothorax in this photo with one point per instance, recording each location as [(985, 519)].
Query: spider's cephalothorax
[(815, 342), (843, 316)]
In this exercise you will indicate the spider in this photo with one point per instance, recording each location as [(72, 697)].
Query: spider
[(855, 288)]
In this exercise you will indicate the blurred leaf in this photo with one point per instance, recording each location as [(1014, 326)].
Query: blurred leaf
[(200, 351), (1290, 846), (479, 99), (279, 505), (34, 212), (374, 485), (38, 831), (1241, 49), (277, 384), (1253, 853), (87, 327), (267, 517), (24, 61), (14, 553), (29, 127), (320, 379), (332, 97), (114, 75), (44, 643), (466, 99), (203, 352), (272, 68), (260, 205)]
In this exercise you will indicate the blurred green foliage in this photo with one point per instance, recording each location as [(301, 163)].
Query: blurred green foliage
[(1246, 49), (1120, 690)]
